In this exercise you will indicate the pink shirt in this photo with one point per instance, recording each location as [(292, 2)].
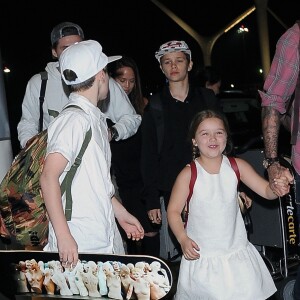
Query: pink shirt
[(282, 78)]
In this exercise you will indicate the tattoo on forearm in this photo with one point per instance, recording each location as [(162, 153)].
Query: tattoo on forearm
[(270, 130)]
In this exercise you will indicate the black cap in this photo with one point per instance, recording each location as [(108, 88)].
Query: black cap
[(65, 29)]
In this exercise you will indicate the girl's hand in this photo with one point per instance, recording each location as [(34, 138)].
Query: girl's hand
[(278, 175), (283, 186), (190, 249)]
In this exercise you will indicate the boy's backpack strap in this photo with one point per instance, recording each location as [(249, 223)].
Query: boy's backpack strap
[(44, 76), (157, 113), (67, 182), (191, 187)]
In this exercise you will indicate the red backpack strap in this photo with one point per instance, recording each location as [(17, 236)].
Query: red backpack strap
[(194, 177), (235, 167), (192, 183)]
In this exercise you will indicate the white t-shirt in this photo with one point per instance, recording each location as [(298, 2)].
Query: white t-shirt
[(92, 223)]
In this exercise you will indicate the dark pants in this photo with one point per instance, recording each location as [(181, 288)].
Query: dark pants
[(166, 196)]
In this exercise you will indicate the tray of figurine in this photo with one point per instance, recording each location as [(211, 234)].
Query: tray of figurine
[(39, 274)]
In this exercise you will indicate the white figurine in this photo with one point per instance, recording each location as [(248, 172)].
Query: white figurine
[(58, 278), (113, 281), (102, 279)]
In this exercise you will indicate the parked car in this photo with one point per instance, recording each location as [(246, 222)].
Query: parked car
[(243, 112)]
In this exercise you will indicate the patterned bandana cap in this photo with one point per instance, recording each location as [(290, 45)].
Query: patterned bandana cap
[(172, 46)]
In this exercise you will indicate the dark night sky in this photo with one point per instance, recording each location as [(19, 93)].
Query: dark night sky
[(135, 28)]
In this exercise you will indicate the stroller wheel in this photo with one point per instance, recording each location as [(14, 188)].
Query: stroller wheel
[(287, 288)]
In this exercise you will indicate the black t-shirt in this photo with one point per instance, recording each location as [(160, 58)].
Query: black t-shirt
[(160, 170)]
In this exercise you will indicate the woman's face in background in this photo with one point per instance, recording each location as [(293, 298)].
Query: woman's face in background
[(126, 79)]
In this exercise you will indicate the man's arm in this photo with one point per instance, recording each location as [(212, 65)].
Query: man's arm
[(270, 130), (278, 88), (121, 112)]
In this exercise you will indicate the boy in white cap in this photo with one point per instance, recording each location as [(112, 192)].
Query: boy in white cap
[(92, 227)]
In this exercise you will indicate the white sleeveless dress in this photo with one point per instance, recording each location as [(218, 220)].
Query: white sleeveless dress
[(229, 267)]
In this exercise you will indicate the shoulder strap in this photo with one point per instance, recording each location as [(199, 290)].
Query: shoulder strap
[(235, 167), (66, 184), (294, 131), (192, 183), (194, 177), (157, 112), (44, 76)]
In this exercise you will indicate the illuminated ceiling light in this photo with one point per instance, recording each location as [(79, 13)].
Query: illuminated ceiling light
[(242, 29), (239, 19), (6, 70)]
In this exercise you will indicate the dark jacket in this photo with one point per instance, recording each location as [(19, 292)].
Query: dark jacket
[(161, 165)]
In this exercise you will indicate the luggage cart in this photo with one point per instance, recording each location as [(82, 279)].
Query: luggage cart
[(275, 230), (284, 269)]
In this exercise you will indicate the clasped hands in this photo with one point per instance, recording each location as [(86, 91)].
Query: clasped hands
[(280, 179)]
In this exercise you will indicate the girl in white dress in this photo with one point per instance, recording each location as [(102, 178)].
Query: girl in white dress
[(219, 262)]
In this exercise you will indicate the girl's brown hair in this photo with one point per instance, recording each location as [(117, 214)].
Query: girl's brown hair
[(198, 119)]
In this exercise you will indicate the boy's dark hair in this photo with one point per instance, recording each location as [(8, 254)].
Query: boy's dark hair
[(208, 74), (83, 86)]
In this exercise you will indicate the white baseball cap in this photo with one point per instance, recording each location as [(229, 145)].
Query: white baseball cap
[(172, 46), (85, 59)]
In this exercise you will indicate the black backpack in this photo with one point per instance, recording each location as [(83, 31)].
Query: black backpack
[(44, 76)]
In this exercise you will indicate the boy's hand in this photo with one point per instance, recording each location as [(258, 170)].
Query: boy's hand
[(155, 216), (131, 226)]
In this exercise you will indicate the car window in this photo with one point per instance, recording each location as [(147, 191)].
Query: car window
[(243, 113)]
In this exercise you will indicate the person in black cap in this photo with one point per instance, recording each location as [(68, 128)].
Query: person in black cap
[(118, 108), (65, 29)]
